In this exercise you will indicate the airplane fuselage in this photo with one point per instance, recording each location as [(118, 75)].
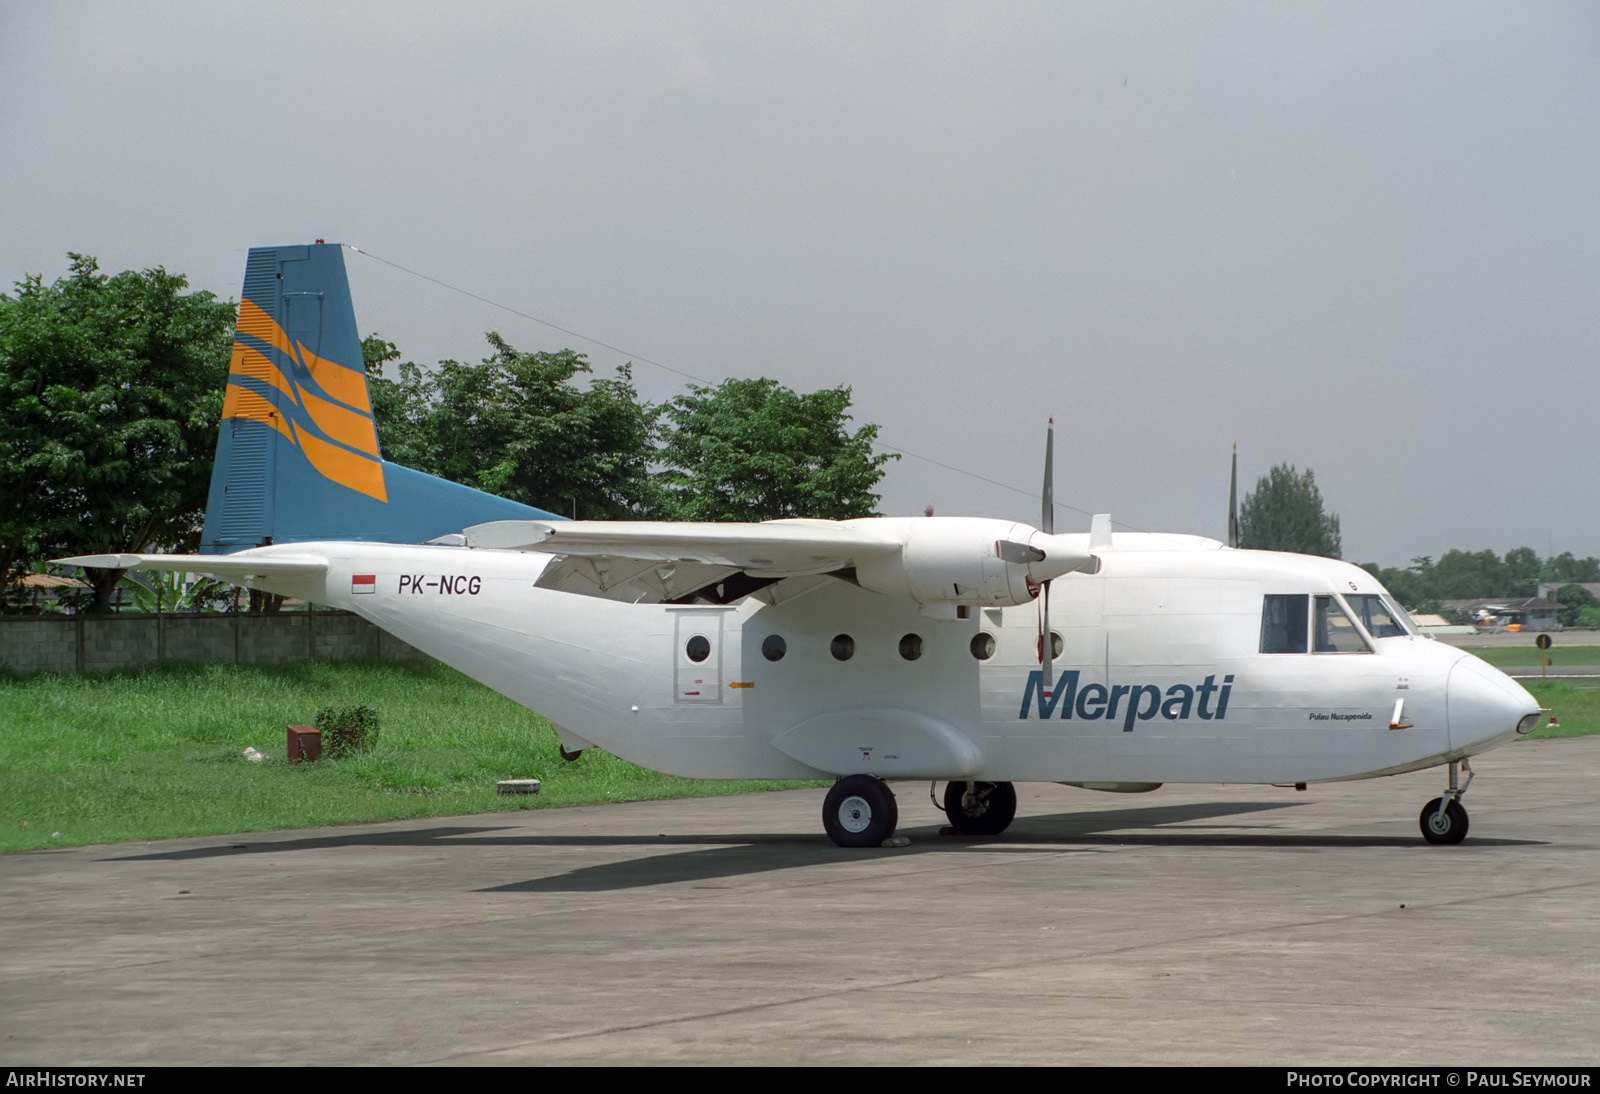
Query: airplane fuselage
[(1162, 675)]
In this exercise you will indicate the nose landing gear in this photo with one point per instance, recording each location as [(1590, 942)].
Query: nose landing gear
[(1443, 819), (980, 809)]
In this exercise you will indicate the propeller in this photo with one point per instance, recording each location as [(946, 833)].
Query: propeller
[(1047, 525)]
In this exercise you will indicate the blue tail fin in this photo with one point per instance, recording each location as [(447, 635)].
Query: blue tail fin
[(297, 458)]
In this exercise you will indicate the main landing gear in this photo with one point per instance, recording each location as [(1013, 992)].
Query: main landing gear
[(860, 811), (980, 809), (1443, 820)]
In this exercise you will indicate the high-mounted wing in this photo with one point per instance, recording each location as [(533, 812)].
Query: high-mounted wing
[(939, 562), (772, 549)]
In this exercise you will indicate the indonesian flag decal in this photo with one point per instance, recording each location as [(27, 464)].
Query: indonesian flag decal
[(363, 583)]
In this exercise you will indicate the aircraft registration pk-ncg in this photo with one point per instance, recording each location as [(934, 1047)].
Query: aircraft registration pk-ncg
[(859, 650)]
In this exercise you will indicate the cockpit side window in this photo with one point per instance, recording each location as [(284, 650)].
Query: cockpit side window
[(1398, 610), (1333, 631), (1283, 623), (1375, 615)]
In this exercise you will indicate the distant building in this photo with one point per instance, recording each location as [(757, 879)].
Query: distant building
[(1533, 613), (1548, 589), (42, 592), (1438, 624)]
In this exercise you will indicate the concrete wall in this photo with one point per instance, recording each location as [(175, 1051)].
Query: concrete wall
[(81, 643)]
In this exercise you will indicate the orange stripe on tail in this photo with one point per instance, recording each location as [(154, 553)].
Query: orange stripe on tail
[(238, 402), (343, 466), (343, 425), (254, 364), (345, 384), (254, 321)]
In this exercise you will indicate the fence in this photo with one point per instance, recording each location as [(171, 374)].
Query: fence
[(92, 643)]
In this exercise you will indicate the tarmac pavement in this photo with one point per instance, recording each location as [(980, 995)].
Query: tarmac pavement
[(1194, 925)]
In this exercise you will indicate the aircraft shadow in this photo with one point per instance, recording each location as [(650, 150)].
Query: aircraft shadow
[(708, 857), (1059, 833)]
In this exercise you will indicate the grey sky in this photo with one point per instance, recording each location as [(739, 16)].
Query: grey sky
[(1360, 238)]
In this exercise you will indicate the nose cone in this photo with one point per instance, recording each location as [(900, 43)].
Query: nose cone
[(1484, 704), (1061, 556)]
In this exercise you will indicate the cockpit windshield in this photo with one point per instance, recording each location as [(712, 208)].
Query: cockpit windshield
[(1376, 614), (1332, 631), (1285, 619)]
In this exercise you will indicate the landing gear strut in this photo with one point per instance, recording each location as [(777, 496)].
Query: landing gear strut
[(1443, 820), (860, 811), (980, 809)]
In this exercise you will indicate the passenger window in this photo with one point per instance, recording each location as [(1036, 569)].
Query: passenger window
[(774, 647), (699, 648), (911, 647), (983, 646), (1375, 615), (1283, 624), (1334, 631), (843, 647)]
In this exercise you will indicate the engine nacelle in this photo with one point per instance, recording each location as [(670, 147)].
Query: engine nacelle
[(958, 560)]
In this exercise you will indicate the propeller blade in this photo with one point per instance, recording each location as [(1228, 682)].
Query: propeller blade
[(1047, 518), (1010, 550), (1233, 501), (1047, 525), (1047, 670)]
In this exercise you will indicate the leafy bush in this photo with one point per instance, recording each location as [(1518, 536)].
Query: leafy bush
[(347, 731)]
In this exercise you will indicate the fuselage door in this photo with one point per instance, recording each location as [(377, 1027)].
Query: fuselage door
[(697, 645)]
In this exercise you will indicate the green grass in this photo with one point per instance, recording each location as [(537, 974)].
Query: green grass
[(1575, 705), (1576, 708), (157, 751), (1514, 656)]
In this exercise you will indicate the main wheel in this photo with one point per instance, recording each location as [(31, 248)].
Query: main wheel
[(860, 811), (1451, 827), (980, 809)]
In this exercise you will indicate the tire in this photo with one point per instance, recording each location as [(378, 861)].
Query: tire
[(860, 811), (990, 812), (1450, 828)]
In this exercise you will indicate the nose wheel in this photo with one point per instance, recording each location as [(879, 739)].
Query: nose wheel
[(980, 809), (1444, 820)]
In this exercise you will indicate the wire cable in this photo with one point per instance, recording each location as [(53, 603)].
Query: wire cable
[(699, 379)]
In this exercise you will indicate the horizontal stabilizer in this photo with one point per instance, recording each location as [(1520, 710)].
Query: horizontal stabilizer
[(772, 548), (230, 566)]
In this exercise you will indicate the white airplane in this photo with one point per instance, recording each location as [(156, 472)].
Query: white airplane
[(860, 650)]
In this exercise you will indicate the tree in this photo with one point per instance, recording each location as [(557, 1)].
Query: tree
[(1284, 513), (1566, 569), (755, 450), (110, 393), (1522, 568), (519, 426), (1462, 574), (1574, 599)]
